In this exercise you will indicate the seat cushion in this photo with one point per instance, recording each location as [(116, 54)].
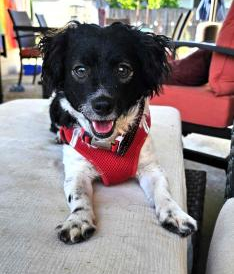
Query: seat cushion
[(128, 238), (30, 53), (198, 105), (182, 73), (221, 252), (221, 77)]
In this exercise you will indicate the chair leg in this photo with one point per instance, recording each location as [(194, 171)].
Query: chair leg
[(35, 73), (18, 87), (1, 89), (21, 72)]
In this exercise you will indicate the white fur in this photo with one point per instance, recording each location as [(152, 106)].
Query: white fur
[(79, 175)]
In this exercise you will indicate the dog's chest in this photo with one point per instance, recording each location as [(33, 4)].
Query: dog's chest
[(112, 167)]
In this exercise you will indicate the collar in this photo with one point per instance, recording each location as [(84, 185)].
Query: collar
[(122, 142)]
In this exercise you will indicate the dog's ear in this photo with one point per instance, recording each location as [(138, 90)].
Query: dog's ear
[(53, 48), (153, 51)]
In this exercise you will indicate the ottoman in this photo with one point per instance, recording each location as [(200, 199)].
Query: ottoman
[(128, 239)]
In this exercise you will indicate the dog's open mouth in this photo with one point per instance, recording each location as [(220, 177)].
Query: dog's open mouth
[(103, 129)]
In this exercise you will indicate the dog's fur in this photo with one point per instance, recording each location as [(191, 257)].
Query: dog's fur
[(100, 74)]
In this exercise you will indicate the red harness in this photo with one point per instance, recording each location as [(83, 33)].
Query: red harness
[(112, 167)]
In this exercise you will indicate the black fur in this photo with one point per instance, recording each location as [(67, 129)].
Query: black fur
[(101, 50)]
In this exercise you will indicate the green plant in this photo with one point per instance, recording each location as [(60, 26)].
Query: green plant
[(152, 4), (169, 4)]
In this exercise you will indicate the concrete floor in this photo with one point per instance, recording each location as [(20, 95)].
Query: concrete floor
[(216, 178)]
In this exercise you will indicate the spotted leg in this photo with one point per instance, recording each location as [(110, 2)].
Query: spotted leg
[(79, 175), (155, 185)]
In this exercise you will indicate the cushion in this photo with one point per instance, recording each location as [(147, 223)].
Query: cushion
[(198, 105), (32, 203), (190, 71), (221, 252), (30, 53), (221, 76)]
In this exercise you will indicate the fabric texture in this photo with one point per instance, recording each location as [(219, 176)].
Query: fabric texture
[(114, 168), (128, 238), (190, 71), (221, 253), (198, 105), (221, 76)]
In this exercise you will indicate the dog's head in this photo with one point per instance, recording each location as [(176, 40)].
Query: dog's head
[(104, 72)]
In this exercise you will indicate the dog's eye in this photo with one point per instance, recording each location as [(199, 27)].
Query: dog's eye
[(80, 71), (124, 71)]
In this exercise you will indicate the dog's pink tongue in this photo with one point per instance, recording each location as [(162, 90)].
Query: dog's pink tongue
[(102, 126)]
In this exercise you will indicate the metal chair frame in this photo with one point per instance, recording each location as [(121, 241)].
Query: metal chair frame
[(24, 39), (3, 52)]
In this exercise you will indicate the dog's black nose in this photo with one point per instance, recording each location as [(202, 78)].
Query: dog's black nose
[(102, 105)]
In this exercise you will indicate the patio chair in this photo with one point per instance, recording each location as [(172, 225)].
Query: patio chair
[(41, 20), (207, 109), (181, 24), (2, 53), (26, 42)]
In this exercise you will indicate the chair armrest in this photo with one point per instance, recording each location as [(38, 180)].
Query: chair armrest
[(207, 46), (26, 35), (32, 28)]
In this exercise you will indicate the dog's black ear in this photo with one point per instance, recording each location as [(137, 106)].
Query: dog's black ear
[(153, 52), (53, 48)]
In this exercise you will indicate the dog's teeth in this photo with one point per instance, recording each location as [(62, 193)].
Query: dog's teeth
[(103, 127)]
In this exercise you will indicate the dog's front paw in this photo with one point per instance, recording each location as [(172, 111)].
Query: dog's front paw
[(177, 221), (74, 230)]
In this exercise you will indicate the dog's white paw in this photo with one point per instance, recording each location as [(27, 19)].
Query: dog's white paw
[(75, 230), (177, 221)]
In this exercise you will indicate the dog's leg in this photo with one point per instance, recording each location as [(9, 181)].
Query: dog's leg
[(155, 185), (79, 175)]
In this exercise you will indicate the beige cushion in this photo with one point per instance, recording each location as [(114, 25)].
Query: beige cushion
[(32, 204), (221, 253)]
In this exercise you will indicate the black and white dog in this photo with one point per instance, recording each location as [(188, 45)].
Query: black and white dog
[(102, 79)]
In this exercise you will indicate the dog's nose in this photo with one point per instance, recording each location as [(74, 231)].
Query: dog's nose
[(102, 105)]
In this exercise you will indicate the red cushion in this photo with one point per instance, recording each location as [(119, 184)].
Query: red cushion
[(190, 71), (30, 52), (198, 105), (221, 77)]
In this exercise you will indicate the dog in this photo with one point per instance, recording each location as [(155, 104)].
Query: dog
[(102, 79)]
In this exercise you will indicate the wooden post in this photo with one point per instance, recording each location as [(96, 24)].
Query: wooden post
[(138, 11)]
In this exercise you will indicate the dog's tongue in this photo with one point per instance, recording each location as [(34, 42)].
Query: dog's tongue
[(102, 127)]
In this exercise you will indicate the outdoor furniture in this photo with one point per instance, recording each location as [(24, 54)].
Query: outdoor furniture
[(221, 253), (41, 20), (230, 170), (207, 109), (2, 53), (207, 31), (181, 24), (128, 238), (26, 42)]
